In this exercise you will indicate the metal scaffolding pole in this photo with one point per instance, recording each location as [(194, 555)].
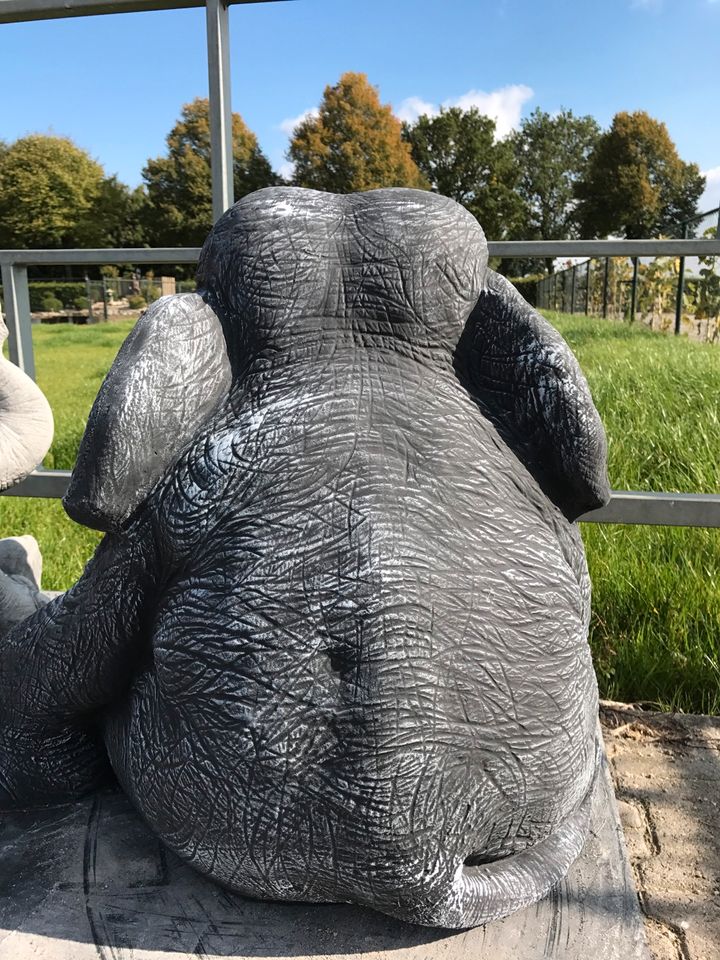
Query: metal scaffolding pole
[(21, 11), (221, 153), (16, 306)]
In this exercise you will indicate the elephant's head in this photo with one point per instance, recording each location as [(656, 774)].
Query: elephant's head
[(286, 268), (26, 422)]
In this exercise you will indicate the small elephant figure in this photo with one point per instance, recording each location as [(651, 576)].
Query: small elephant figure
[(333, 644)]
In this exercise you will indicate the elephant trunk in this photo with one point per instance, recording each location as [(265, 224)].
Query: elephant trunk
[(26, 422)]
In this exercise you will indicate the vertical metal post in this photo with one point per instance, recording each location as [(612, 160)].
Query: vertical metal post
[(17, 316), (221, 154), (88, 294), (105, 299), (680, 288), (606, 283), (587, 288), (633, 290), (572, 289), (566, 297), (554, 291)]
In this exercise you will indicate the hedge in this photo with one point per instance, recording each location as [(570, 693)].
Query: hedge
[(526, 287), (66, 291)]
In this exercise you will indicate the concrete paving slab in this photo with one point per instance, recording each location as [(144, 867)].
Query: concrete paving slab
[(90, 881), (666, 769)]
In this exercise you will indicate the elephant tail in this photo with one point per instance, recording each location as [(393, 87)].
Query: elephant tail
[(489, 891)]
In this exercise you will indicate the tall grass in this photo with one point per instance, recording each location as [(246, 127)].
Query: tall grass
[(656, 603), (656, 590)]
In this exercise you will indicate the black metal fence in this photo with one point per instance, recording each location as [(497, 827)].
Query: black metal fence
[(682, 293)]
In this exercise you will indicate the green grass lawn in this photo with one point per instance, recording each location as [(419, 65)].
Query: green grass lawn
[(656, 590), (656, 603)]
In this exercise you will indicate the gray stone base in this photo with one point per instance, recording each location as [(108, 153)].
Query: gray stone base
[(90, 881)]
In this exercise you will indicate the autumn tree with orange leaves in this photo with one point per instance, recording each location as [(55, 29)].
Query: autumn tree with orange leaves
[(354, 142)]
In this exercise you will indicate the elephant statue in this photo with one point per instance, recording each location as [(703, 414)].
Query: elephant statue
[(333, 645), (26, 431)]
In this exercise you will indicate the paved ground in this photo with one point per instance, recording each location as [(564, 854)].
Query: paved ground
[(666, 769)]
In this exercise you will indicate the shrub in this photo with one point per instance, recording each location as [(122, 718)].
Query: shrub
[(527, 286), (136, 302), (49, 303), (152, 293), (66, 291), (80, 303)]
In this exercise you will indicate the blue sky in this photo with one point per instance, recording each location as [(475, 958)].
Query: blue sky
[(115, 84)]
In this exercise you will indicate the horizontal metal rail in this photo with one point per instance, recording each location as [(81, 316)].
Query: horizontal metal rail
[(49, 484), (626, 507), (496, 248), (20, 11), (604, 248), (43, 258), (658, 509)]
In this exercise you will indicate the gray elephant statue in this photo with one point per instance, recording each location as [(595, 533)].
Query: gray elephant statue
[(333, 645)]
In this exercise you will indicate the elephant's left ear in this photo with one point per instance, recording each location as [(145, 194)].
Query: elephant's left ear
[(168, 378), (526, 380)]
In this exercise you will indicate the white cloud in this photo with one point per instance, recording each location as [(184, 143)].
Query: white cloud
[(711, 196), (286, 169), (503, 105), (413, 107), (288, 125)]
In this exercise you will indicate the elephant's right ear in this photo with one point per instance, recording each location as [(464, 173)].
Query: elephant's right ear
[(526, 380), (168, 378)]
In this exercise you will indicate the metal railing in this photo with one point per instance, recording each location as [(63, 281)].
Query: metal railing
[(591, 288), (626, 506)]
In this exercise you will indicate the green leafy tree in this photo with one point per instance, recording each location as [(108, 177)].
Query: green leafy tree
[(457, 153), (115, 217), (179, 185), (552, 154), (636, 185), (48, 187), (354, 142)]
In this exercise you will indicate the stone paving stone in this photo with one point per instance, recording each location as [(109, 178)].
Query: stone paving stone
[(666, 769)]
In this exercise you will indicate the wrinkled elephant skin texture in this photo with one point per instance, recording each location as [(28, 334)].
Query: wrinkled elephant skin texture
[(333, 645)]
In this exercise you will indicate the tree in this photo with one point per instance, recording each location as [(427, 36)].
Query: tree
[(114, 218), (636, 185), (179, 185), (48, 187), (552, 154), (457, 153), (354, 142)]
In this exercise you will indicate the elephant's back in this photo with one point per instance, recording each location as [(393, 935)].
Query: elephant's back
[(376, 666)]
